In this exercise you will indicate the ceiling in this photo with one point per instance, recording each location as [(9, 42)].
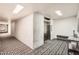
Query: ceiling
[(47, 9)]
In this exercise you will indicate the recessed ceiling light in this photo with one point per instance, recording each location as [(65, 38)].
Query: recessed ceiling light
[(58, 12), (17, 9)]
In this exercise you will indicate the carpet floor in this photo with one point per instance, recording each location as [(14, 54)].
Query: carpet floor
[(52, 47), (12, 46)]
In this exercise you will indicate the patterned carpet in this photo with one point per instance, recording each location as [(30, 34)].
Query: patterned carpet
[(12, 46), (52, 47)]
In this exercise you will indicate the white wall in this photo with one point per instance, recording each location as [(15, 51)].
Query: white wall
[(30, 30), (24, 30), (65, 26), (52, 28), (13, 28), (38, 29), (78, 21)]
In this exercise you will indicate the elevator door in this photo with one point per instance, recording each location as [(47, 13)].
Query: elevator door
[(46, 30)]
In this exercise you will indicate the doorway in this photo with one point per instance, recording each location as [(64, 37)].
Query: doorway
[(46, 29)]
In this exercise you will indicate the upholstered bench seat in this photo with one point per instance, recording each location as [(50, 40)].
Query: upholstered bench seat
[(62, 37)]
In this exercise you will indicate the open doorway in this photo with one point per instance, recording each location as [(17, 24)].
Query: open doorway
[(46, 28)]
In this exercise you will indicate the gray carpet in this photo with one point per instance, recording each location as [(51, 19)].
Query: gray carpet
[(52, 47), (12, 46)]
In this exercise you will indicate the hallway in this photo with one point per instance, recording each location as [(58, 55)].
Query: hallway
[(36, 27)]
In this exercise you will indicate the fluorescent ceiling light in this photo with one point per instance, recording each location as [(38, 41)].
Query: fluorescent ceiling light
[(17, 9), (58, 12)]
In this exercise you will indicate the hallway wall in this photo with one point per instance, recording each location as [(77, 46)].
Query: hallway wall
[(65, 26), (38, 30), (52, 28), (30, 30), (13, 28), (24, 30)]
